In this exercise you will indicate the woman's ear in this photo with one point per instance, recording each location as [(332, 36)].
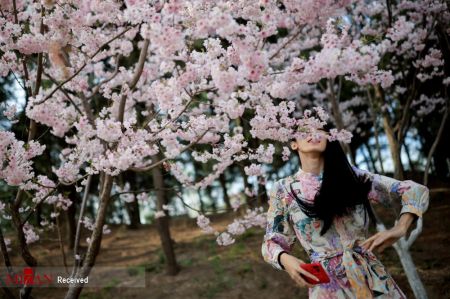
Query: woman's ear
[(293, 145)]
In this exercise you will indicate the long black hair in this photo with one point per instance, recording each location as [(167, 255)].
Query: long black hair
[(341, 190)]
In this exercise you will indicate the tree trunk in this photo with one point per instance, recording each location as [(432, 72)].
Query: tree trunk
[(26, 255), (338, 118), (226, 197), (162, 223), (76, 244), (4, 251), (246, 185), (213, 202), (96, 238), (133, 214), (375, 130), (394, 145), (435, 144), (410, 162), (367, 161), (200, 199), (402, 248), (379, 157), (72, 223), (262, 194), (372, 159), (132, 208)]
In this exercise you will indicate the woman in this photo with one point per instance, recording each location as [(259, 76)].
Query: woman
[(326, 206)]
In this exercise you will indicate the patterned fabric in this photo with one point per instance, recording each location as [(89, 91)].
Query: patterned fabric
[(354, 273)]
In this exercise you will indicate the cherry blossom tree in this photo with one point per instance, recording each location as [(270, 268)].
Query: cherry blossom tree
[(131, 85)]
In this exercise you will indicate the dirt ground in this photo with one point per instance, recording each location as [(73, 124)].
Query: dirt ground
[(236, 271)]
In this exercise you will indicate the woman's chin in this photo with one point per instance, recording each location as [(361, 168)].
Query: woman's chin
[(313, 149)]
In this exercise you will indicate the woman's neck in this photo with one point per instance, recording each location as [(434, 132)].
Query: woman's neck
[(312, 162)]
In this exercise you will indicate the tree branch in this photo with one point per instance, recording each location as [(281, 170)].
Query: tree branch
[(84, 65)]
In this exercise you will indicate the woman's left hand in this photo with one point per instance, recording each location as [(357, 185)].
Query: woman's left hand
[(383, 239)]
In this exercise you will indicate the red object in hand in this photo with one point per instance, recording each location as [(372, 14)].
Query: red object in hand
[(317, 270)]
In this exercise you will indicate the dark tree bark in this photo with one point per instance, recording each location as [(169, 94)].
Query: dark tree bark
[(133, 214), (435, 144), (262, 194), (200, 199), (162, 223), (408, 155), (211, 197), (72, 222), (372, 159), (366, 159), (246, 185), (394, 145), (226, 197), (96, 238), (131, 207), (5, 254), (337, 114)]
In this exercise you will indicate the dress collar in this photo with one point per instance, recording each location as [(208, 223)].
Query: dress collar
[(300, 172)]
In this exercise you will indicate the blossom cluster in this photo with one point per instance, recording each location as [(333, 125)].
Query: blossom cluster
[(253, 218), (309, 126), (16, 156)]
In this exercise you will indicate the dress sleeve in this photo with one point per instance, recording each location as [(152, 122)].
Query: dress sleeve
[(279, 236), (413, 196)]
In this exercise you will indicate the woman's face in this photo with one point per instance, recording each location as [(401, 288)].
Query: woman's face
[(309, 145)]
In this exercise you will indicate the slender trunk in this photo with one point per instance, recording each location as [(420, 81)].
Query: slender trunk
[(395, 150), (96, 239), (29, 259), (5, 253), (133, 214), (394, 146), (6, 292), (15, 214), (246, 185), (68, 222), (262, 194), (212, 199), (379, 157), (38, 215), (200, 199), (402, 247), (367, 161), (408, 155), (71, 222), (162, 223), (121, 212), (338, 118), (435, 144), (25, 291), (183, 207), (372, 159), (226, 197), (77, 261), (60, 240), (132, 208), (375, 130), (252, 144)]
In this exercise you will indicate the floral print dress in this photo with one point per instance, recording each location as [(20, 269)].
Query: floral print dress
[(353, 272)]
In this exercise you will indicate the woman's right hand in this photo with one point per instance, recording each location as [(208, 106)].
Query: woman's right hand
[(292, 266)]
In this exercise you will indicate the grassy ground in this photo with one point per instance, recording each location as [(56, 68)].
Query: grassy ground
[(236, 271)]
